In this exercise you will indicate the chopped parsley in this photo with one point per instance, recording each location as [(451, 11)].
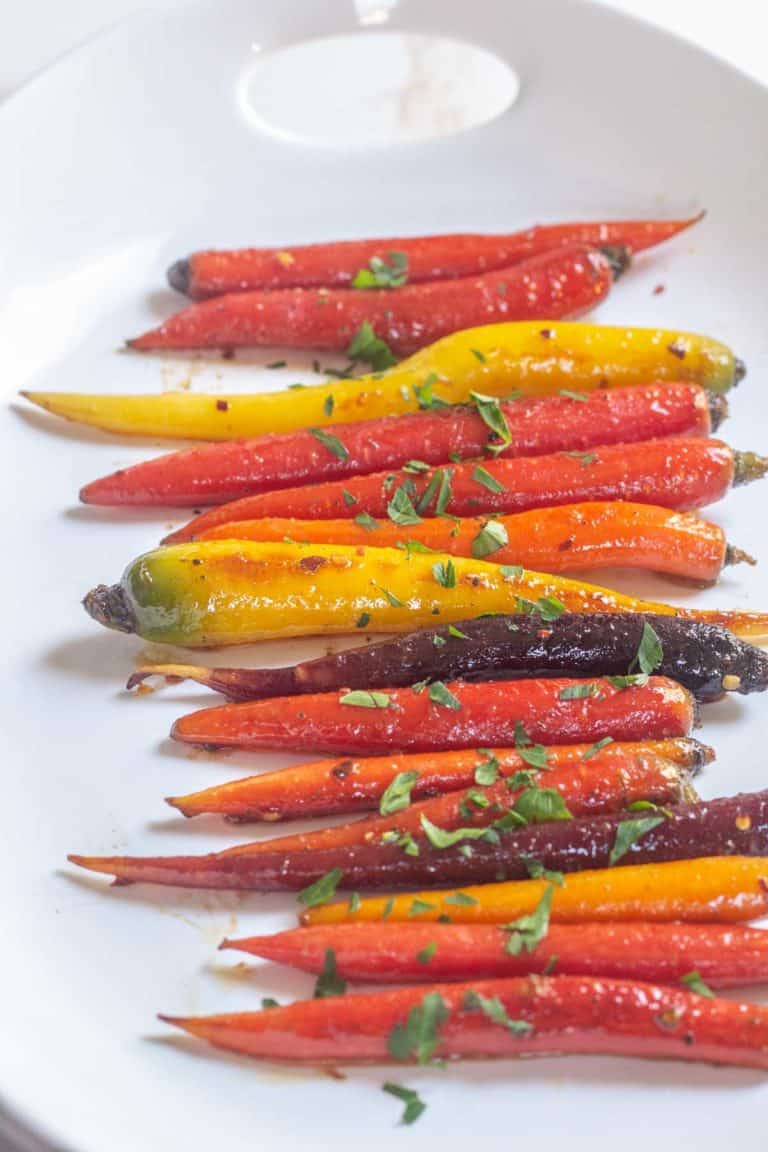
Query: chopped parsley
[(694, 983), (414, 1105), (445, 573), (398, 794), (527, 931), (491, 537), (380, 274), (367, 348), (597, 747), (493, 1008), (443, 697), (331, 443), (420, 1035), (482, 476), (361, 698), (366, 521), (426, 953), (578, 691), (329, 983), (323, 889), (401, 510), (629, 832), (649, 653), (490, 412)]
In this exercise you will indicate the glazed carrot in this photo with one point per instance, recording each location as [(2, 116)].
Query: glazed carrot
[(495, 360), (537, 425), (343, 787), (569, 538), (714, 889), (441, 717), (586, 787), (560, 1015), (723, 956), (677, 474), (563, 282), (236, 591), (337, 263), (733, 825), (707, 660)]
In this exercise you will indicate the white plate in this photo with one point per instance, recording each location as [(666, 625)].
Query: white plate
[(124, 156)]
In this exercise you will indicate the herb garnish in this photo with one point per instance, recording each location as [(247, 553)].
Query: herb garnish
[(442, 838), (487, 772), (329, 983), (328, 404), (323, 889), (366, 521), (492, 1007), (629, 832), (379, 274), (457, 633), (539, 805), (426, 953), (414, 1105), (442, 696), (460, 900), (578, 691), (349, 499), (491, 537), (527, 931), (420, 1035), (694, 983), (331, 443), (416, 466), (361, 698), (581, 396), (585, 457), (398, 794), (490, 412), (650, 652), (445, 573), (269, 1002), (363, 620), (369, 349), (394, 601), (537, 871), (482, 476), (597, 747), (424, 394), (401, 510)]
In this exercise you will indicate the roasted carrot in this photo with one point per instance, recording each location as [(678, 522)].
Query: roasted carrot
[(714, 889), (562, 282), (707, 660), (343, 787), (440, 717), (585, 788), (723, 956), (537, 425), (338, 263), (236, 591), (495, 360), (733, 825), (677, 474), (523, 1016), (569, 538)]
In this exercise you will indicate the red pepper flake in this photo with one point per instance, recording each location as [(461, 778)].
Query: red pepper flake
[(544, 633), (312, 563), (659, 289), (564, 545), (677, 350), (342, 770), (546, 333), (222, 406)]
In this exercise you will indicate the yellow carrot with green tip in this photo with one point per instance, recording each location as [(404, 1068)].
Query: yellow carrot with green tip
[(235, 591)]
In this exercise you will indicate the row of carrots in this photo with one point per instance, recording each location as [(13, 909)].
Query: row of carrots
[(523, 763)]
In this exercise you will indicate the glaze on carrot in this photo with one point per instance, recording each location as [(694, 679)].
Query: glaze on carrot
[(348, 786), (706, 659), (335, 264), (440, 717), (585, 787), (723, 956), (732, 825), (714, 889), (232, 469), (569, 538), (678, 474), (559, 1015), (565, 282)]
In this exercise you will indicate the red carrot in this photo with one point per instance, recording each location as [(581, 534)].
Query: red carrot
[(585, 787), (679, 474), (722, 955), (336, 264), (459, 715), (524, 1016), (537, 425), (344, 787), (565, 282)]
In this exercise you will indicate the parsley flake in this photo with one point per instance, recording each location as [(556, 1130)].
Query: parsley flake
[(482, 476), (414, 1105), (367, 348), (629, 832), (445, 573), (380, 274), (420, 1035), (329, 983), (331, 443), (323, 889), (398, 794), (361, 698), (443, 697), (491, 537)]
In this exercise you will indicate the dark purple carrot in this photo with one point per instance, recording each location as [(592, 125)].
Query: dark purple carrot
[(705, 658), (732, 826)]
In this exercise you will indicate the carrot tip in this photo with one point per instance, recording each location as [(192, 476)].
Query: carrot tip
[(739, 370), (619, 258), (109, 605)]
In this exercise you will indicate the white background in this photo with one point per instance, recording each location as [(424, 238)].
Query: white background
[(33, 33)]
